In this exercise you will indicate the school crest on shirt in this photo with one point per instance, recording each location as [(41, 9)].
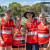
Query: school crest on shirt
[(35, 24), (45, 27), (28, 25)]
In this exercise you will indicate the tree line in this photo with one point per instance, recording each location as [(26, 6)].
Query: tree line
[(18, 9)]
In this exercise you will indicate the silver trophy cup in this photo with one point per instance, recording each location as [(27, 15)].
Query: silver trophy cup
[(22, 40)]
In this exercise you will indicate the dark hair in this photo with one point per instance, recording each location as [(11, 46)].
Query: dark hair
[(29, 12), (17, 17)]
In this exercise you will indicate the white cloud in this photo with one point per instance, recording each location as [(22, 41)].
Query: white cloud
[(37, 2), (22, 3), (26, 3), (29, 3), (5, 4)]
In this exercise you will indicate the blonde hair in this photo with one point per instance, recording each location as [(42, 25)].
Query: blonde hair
[(45, 18)]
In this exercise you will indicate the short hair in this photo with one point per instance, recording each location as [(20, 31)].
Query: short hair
[(31, 13), (17, 17)]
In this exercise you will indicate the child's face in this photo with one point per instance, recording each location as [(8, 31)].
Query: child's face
[(29, 15), (42, 17), (8, 14), (18, 21)]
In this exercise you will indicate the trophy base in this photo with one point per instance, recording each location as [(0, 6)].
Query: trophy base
[(22, 42)]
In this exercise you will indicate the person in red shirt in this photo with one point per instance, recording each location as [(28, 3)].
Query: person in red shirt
[(17, 36), (43, 32), (6, 24), (31, 27)]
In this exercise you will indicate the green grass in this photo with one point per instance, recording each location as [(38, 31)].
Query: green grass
[(22, 23)]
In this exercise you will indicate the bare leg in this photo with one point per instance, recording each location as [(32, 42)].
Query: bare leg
[(20, 48), (46, 48), (9, 48), (23, 48), (41, 48), (2, 48), (15, 48)]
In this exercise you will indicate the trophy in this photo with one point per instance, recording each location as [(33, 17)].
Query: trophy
[(16, 33), (22, 32)]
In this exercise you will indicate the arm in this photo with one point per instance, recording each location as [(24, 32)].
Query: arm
[(12, 31), (0, 32), (2, 42), (14, 34), (26, 32), (49, 36), (49, 33), (37, 29)]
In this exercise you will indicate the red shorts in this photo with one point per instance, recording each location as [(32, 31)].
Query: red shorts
[(6, 44)]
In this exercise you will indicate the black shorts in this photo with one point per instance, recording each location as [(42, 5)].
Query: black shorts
[(17, 46), (43, 45)]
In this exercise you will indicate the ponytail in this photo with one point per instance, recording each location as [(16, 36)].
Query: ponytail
[(46, 21)]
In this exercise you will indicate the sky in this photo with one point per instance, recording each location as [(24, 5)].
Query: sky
[(22, 2)]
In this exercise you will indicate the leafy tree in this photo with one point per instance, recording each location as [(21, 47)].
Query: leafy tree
[(15, 8)]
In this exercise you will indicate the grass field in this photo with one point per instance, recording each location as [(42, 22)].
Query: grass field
[(22, 23)]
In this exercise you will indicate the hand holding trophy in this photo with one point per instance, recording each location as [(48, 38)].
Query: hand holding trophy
[(16, 33), (22, 32)]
